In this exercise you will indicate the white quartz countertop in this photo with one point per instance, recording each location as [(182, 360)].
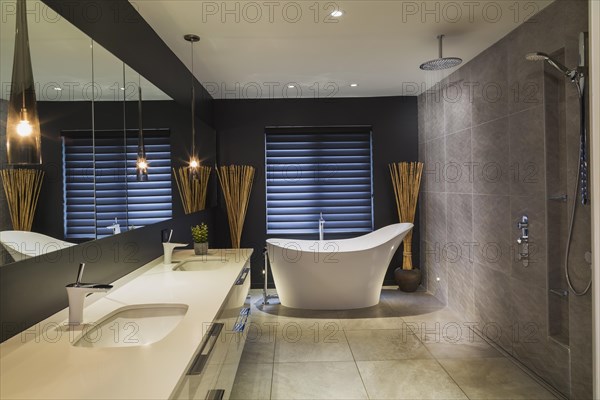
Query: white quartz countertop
[(42, 363)]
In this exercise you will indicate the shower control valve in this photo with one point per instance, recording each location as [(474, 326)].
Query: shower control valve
[(523, 223), (523, 240)]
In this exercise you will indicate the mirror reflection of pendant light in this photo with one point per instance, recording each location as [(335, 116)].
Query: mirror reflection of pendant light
[(141, 164), (194, 163), (23, 136)]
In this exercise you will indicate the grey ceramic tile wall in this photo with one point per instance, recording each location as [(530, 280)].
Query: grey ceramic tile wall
[(490, 147), (493, 247), (459, 227), (457, 101), (500, 130), (457, 171)]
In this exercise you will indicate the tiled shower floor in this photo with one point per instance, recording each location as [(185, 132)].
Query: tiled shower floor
[(408, 347)]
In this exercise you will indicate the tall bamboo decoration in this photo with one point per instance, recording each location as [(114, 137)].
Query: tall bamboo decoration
[(236, 182), (192, 191), (22, 187), (406, 178)]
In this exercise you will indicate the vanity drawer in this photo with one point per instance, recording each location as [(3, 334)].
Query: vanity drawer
[(213, 372), (238, 322), (202, 375)]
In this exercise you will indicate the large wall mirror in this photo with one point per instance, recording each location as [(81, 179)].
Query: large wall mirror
[(89, 107)]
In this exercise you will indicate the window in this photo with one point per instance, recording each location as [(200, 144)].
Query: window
[(314, 170), (95, 195)]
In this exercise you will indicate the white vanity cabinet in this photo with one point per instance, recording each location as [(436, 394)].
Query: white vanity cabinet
[(197, 359), (212, 373)]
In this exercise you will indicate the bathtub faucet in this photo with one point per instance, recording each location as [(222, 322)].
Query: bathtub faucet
[(321, 227)]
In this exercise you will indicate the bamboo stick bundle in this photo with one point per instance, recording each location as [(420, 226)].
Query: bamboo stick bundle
[(236, 182), (406, 178), (22, 187), (192, 191)]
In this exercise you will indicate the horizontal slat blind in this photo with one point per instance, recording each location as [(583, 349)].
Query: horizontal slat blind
[(118, 194), (150, 202), (78, 175), (309, 173)]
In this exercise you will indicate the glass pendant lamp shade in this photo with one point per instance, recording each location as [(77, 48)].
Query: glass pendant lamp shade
[(23, 136), (141, 164)]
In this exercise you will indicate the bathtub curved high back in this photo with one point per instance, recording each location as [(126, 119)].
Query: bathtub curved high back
[(334, 274), (22, 245)]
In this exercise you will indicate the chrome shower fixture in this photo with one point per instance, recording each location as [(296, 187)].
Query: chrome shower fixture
[(572, 74), (441, 62), (576, 76)]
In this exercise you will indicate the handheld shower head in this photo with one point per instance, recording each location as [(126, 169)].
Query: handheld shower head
[(536, 56), (539, 56)]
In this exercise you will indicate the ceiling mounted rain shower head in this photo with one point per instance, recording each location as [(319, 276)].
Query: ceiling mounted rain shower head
[(441, 62)]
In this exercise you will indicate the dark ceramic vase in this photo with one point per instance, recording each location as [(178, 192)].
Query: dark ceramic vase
[(408, 279), (201, 249)]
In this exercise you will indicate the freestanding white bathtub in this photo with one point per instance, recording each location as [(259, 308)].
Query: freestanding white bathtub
[(334, 274)]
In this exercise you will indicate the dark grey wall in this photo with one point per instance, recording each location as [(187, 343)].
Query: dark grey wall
[(241, 134), (486, 158), (34, 289)]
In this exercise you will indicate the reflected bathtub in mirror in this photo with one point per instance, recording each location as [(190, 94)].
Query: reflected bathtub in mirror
[(22, 245)]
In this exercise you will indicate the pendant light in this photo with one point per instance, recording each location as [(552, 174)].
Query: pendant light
[(23, 136), (141, 164), (194, 163)]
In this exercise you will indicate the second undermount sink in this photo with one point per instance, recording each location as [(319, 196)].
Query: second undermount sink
[(198, 265), (136, 325)]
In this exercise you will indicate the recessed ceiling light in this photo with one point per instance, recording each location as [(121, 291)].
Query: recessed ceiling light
[(122, 88), (57, 89), (354, 85), (336, 13), (291, 86)]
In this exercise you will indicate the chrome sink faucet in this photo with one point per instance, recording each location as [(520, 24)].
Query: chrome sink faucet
[(77, 293), (116, 228), (321, 227)]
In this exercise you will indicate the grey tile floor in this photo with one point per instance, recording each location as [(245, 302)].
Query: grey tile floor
[(408, 347)]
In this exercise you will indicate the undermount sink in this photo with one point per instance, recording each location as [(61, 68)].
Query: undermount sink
[(136, 325), (198, 265)]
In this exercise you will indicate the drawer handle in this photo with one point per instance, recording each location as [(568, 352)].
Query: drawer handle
[(242, 277), (207, 348), (216, 394), (241, 323)]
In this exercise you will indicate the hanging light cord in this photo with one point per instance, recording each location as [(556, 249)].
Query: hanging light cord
[(23, 69), (141, 148), (193, 106)]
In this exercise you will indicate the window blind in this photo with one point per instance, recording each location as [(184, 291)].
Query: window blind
[(318, 170), (112, 182)]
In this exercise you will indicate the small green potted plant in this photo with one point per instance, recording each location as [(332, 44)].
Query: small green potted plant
[(200, 236)]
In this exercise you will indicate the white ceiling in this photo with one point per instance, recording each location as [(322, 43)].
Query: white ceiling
[(257, 50), (61, 56)]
